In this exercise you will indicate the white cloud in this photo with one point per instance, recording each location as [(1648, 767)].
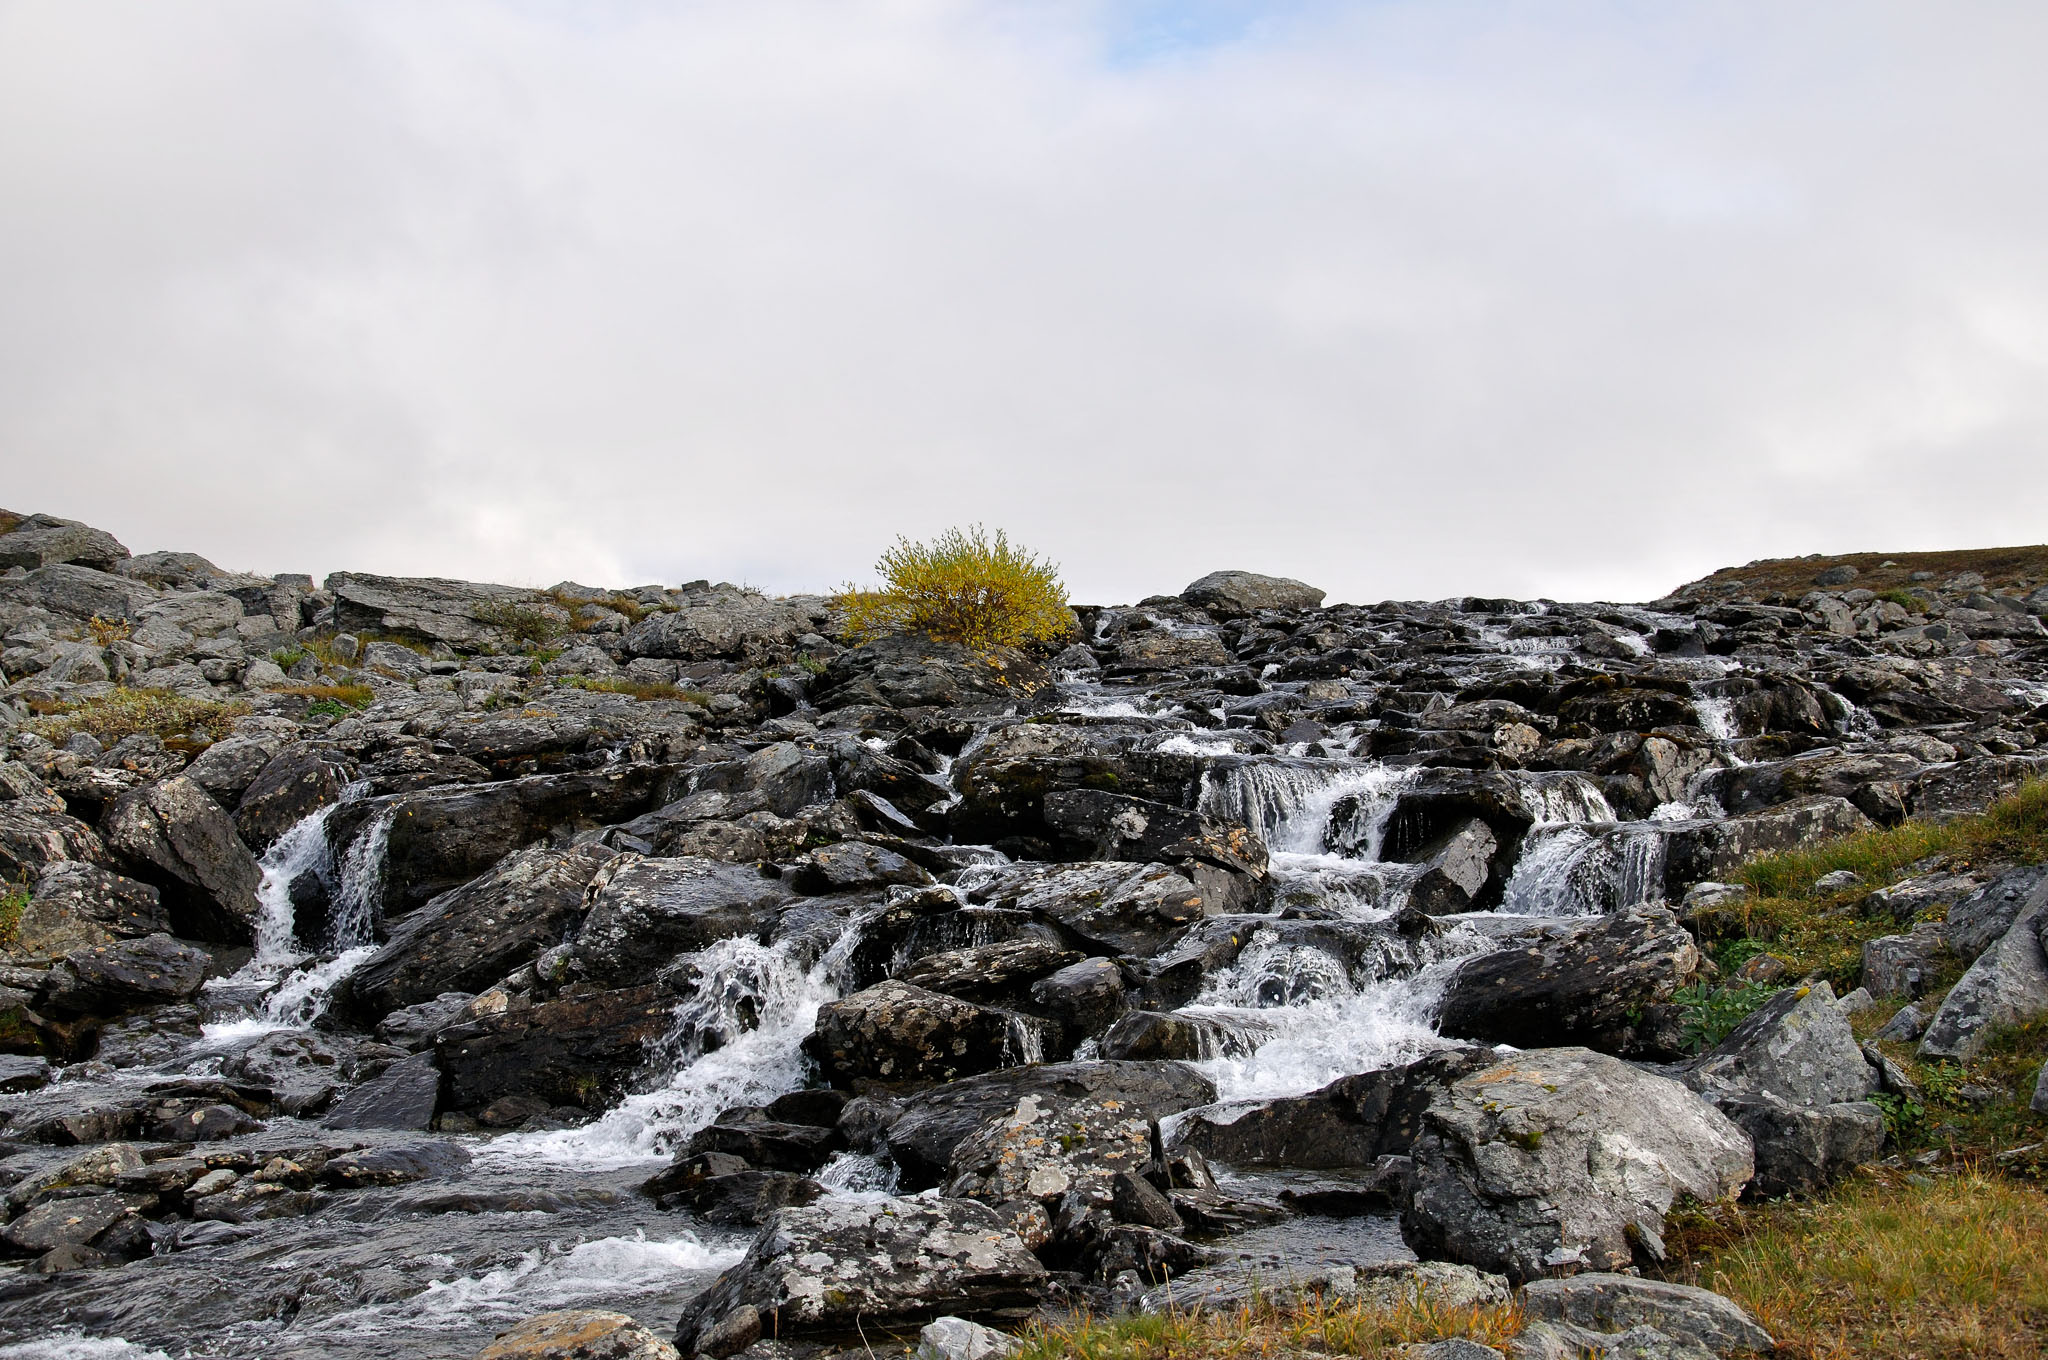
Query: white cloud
[(1402, 298)]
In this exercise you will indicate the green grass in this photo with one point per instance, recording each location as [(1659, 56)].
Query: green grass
[(180, 721), (1272, 1325), (333, 701), (636, 689), (13, 903), (1904, 599)]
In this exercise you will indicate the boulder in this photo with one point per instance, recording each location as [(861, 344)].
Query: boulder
[(814, 1269), (922, 1136), (853, 866), (1904, 965), (79, 905), (32, 839), (1980, 919), (172, 834), (403, 1096), (292, 785), (302, 1069), (1796, 1047), (1457, 870), (2007, 984), (1127, 909), (114, 979), (1050, 1148), (1582, 981), (429, 609), (64, 1223), (916, 672), (1562, 1160), (952, 1338), (580, 1050), (1234, 594), (45, 540), (1608, 1303), (724, 621), (472, 936), (893, 1031), (1804, 1149), (644, 912), (1083, 997), (578, 1334), (395, 1164), (228, 767), (1702, 850), (999, 972)]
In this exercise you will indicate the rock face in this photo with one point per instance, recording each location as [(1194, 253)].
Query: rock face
[(171, 833), (117, 978), (1564, 1160), (1234, 594), (573, 1051), (896, 1032), (810, 1271)]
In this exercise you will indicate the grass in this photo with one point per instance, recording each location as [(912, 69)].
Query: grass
[(532, 626), (1274, 1325), (1792, 577), (636, 689), (1904, 599), (1892, 1266), (333, 701), (178, 720), (1821, 934), (13, 903)]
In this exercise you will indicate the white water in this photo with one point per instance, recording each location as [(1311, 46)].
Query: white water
[(1571, 870), (1289, 803), (737, 1041), (1314, 1043), (72, 1345)]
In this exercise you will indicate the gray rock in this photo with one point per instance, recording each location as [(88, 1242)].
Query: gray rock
[(1455, 1348), (2039, 1104), (1616, 1303), (64, 1222), (730, 622), (1904, 965), (1906, 1025), (1234, 594), (1003, 971), (853, 866), (1564, 1341), (113, 979), (578, 1334), (893, 1031), (415, 1027), (19, 1072), (396, 1164), (297, 782), (1796, 1047), (1857, 1002), (45, 540), (812, 1269), (1084, 997), (2006, 985), (1560, 1160), (427, 608), (79, 593), (472, 936), (1128, 909), (78, 905), (172, 834), (32, 839), (1046, 1149), (1978, 921), (404, 1097), (1379, 1286), (227, 768), (1803, 1149), (1697, 851), (644, 912), (952, 1338)]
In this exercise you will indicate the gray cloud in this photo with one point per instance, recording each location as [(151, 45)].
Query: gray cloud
[(1405, 299)]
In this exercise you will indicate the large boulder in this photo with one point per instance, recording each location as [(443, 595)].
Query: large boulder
[(429, 609), (1047, 1148), (402, 1096), (292, 785), (1561, 1160), (893, 1031), (644, 912), (922, 1136), (45, 540), (32, 839), (1586, 981), (172, 834), (79, 905), (79, 593), (1607, 1303), (1701, 851), (114, 979), (2007, 984), (472, 936), (841, 1264), (1234, 594), (580, 1050), (1128, 909)]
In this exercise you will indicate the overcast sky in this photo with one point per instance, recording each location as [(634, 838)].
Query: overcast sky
[(1404, 299)]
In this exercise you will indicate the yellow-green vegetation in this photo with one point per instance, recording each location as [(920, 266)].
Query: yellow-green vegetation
[(13, 902), (1890, 1266), (179, 720), (1273, 1325), (334, 701), (530, 625), (618, 604), (637, 689), (964, 587), (1822, 933), (1905, 599), (105, 631)]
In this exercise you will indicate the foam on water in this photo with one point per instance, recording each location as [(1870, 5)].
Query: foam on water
[(858, 1175), (1289, 802), (1587, 871), (1565, 798), (1316, 1042), (72, 1345)]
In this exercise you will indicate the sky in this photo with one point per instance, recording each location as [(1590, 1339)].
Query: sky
[(1578, 299)]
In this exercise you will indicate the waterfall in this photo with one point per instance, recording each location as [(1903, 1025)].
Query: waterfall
[(1290, 803), (1572, 870)]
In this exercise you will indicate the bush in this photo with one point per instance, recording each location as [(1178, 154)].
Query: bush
[(174, 718), (962, 587), (531, 625)]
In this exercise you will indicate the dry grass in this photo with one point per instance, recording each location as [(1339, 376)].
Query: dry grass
[(1278, 1325), (178, 720), (1792, 577), (636, 689), (334, 699), (1889, 1267)]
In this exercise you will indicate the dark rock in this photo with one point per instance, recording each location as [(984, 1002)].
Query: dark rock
[(1234, 594), (1804, 1149), (172, 834), (1904, 965), (893, 1031), (64, 1223), (472, 936), (579, 1050), (1003, 971), (1582, 981), (45, 540), (253, 1201), (946, 1257), (1980, 919), (1562, 1160), (113, 979), (1084, 997), (853, 866), (644, 912), (915, 672), (404, 1096), (32, 840), (395, 1164), (771, 1146), (1129, 909), (417, 1026), (294, 784), (1172, 1034), (79, 905)]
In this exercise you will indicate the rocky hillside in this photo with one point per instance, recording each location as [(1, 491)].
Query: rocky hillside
[(389, 959)]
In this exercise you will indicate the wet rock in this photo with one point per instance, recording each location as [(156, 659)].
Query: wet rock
[(294, 784), (150, 1037), (64, 1223), (811, 1270), (2007, 984), (302, 1069), (952, 1338), (20, 1072), (1352, 1122), (251, 1201), (1234, 594), (1562, 1160), (1126, 909), (893, 1031), (1583, 981), (1616, 1303), (922, 1137), (1695, 851), (768, 1144), (1003, 971), (113, 979), (1458, 868), (853, 866), (720, 1188), (1170, 1034), (1083, 997), (79, 905), (403, 1096), (472, 936), (579, 1050), (172, 834), (416, 1027), (578, 1334), (644, 912), (395, 1164)]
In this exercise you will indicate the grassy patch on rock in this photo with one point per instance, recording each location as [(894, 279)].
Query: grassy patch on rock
[(636, 689), (179, 720), (1278, 1324)]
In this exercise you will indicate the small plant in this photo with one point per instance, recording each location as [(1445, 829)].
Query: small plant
[(334, 701), (962, 587), (1712, 1013), (288, 657), (176, 719), (1904, 1117), (106, 632), (13, 903), (1904, 599), (532, 626), (635, 689)]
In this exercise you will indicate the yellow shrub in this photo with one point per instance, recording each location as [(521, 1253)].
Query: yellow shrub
[(962, 587)]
